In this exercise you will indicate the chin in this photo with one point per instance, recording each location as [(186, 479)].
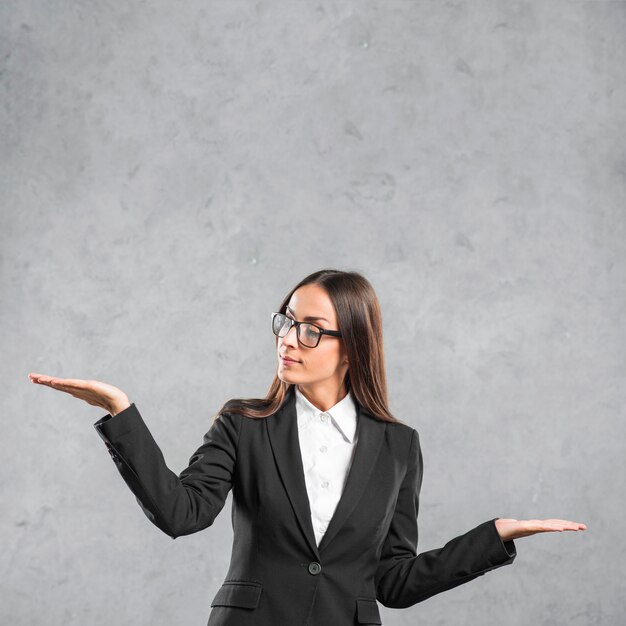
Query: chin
[(286, 377)]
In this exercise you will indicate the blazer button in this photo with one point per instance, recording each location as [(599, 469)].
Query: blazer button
[(315, 567)]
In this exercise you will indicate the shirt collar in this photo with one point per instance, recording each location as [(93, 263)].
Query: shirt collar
[(343, 414)]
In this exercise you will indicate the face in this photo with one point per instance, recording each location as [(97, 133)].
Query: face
[(323, 366)]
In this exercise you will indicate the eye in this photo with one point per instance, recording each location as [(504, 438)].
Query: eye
[(312, 332)]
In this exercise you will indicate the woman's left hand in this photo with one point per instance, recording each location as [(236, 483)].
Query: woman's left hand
[(514, 529)]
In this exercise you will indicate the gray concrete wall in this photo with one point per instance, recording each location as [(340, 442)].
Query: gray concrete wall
[(170, 170)]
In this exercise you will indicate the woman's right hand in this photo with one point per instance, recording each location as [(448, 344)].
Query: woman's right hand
[(93, 392)]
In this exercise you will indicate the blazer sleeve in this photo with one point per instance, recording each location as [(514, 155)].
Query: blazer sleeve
[(403, 577), (178, 505)]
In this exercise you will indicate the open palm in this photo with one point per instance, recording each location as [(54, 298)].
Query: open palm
[(514, 529), (93, 392)]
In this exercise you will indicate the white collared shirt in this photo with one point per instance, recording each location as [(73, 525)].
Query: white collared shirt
[(327, 442)]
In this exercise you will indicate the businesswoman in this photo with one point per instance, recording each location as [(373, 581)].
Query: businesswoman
[(325, 479)]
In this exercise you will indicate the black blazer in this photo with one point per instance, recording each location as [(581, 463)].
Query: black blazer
[(277, 573)]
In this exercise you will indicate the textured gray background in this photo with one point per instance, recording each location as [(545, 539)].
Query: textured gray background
[(169, 170)]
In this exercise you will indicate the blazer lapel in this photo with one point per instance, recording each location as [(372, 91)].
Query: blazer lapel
[(370, 434), (282, 429)]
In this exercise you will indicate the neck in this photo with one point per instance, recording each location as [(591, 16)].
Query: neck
[(322, 397)]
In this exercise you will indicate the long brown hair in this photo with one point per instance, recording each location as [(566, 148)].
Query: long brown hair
[(360, 322)]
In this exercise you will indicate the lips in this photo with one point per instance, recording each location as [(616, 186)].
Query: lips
[(286, 358)]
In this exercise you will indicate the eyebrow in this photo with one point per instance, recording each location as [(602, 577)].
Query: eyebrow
[(309, 318)]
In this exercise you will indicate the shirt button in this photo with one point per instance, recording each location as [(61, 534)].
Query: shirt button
[(325, 483), (323, 449), (322, 529), (323, 416), (315, 567)]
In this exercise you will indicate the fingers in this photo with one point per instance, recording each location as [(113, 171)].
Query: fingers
[(553, 525), (74, 386), (45, 380), (562, 524), (40, 378), (64, 384)]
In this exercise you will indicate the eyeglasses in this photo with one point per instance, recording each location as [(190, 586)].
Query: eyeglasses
[(308, 334)]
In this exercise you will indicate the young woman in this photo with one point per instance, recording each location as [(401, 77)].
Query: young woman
[(325, 479)]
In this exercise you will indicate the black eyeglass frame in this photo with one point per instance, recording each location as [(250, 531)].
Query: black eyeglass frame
[(323, 331)]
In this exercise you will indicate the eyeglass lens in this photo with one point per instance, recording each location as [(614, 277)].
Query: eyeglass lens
[(308, 334)]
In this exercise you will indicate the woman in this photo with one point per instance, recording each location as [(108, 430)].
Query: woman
[(325, 480)]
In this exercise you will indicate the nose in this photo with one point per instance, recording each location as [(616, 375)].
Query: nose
[(291, 338)]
